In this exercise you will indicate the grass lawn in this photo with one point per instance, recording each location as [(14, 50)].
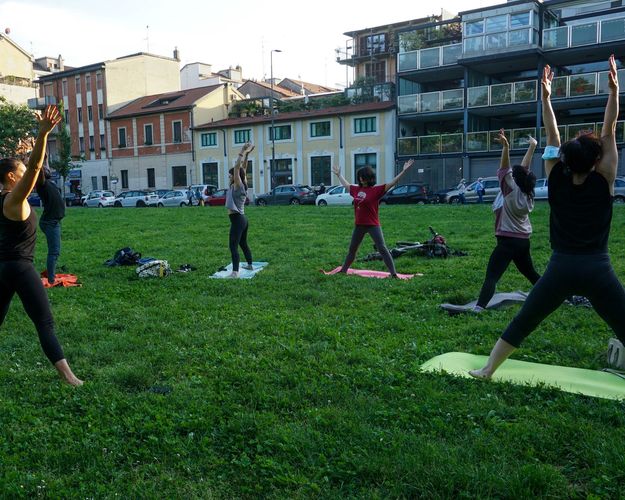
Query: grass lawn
[(295, 384)]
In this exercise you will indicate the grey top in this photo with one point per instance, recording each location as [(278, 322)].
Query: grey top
[(235, 199)]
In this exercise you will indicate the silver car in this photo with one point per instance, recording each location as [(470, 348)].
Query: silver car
[(176, 198), (136, 199), (491, 186), (541, 191), (99, 199)]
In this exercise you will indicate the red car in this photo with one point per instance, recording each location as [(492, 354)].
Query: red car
[(219, 198)]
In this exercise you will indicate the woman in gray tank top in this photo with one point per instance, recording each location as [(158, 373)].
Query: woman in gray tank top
[(235, 203)]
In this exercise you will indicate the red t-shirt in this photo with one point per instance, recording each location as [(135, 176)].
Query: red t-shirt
[(366, 203)]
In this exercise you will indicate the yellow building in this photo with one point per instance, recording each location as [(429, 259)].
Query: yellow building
[(307, 144)]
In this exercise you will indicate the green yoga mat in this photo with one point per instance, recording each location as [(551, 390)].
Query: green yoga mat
[(593, 383)]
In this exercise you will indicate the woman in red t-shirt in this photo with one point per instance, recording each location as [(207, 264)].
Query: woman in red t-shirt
[(366, 202)]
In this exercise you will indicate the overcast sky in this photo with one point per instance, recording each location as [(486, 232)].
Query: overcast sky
[(220, 33)]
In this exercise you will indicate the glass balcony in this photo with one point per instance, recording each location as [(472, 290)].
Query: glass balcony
[(430, 144), (569, 132), (453, 99), (408, 146), (473, 46), (560, 87), (477, 141), (602, 84), (408, 103), (493, 140), (582, 85), (430, 102), (573, 130), (501, 94), (451, 53), (433, 57), (477, 96), (451, 143), (543, 135), (525, 91), (562, 37), (408, 61), (429, 58), (520, 137)]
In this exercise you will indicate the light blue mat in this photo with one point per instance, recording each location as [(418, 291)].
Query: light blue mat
[(243, 273)]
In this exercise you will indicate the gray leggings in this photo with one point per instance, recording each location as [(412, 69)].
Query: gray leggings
[(378, 239), (589, 275)]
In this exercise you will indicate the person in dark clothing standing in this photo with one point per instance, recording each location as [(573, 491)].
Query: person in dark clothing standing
[(581, 187), (50, 223), (18, 232)]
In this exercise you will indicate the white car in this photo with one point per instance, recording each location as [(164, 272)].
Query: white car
[(136, 199), (84, 197), (338, 195), (541, 191), (176, 198), (99, 199)]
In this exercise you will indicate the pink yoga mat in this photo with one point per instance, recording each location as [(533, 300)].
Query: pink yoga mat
[(372, 274)]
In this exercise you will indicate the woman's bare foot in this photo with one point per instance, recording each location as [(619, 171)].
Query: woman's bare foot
[(482, 373), (66, 373)]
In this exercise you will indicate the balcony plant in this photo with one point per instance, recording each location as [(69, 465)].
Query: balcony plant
[(451, 143), (430, 144), (580, 85), (501, 94)]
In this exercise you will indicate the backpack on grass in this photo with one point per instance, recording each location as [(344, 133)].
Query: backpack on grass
[(155, 268), (124, 257)]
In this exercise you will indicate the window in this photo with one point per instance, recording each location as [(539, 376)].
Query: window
[(249, 173), (320, 170), (105, 182), (364, 125), (81, 142), (373, 44), (474, 28), (64, 87), (102, 145), (88, 83), (208, 139), (147, 134), (280, 133), (320, 129), (241, 136), (376, 71), (79, 115), (91, 143), (151, 178), (66, 117), (124, 179), (496, 23), (364, 160), (519, 20), (177, 127), (179, 175), (98, 80), (77, 85), (210, 173), (100, 112), (90, 113), (121, 137)]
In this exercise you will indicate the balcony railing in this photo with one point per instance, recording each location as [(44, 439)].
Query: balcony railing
[(41, 102), (477, 45), (433, 57), (487, 140), (564, 37), (502, 93), (431, 102)]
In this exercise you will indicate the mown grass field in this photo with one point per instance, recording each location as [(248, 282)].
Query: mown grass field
[(295, 384)]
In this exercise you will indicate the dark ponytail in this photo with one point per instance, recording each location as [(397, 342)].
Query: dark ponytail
[(581, 154), (241, 175), (7, 165), (524, 179)]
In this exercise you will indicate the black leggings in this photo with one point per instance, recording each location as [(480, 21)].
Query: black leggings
[(238, 237), (20, 277), (508, 250), (378, 239), (589, 275)]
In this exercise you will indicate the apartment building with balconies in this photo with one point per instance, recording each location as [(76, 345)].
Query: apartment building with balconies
[(454, 96)]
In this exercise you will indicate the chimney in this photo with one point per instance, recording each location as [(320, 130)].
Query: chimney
[(176, 54), (61, 63)]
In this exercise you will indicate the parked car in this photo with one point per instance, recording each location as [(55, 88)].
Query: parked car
[(406, 193), (136, 199), (288, 194), (619, 190), (175, 198), (335, 195), (99, 199), (491, 186), (200, 192), (34, 200), (218, 198), (84, 197), (73, 199), (541, 189), (161, 192)]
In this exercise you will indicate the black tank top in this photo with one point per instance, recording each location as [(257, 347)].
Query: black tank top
[(17, 238), (581, 215)]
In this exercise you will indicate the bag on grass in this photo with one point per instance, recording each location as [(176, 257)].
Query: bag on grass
[(124, 257), (155, 268), (616, 354)]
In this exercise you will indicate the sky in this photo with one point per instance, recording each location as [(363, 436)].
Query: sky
[(220, 33)]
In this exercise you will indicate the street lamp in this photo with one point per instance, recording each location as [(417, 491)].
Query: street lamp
[(271, 130)]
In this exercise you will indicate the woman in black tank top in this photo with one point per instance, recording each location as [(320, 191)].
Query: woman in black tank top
[(581, 186), (18, 227)]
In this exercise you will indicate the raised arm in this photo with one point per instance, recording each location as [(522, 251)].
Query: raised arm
[(527, 159), (337, 171), (609, 161), (15, 206), (549, 117), (407, 165), (505, 150), (241, 163)]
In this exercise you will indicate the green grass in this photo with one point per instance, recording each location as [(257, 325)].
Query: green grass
[(295, 384)]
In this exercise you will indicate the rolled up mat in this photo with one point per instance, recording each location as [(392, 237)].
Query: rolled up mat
[(243, 273), (598, 384), (499, 300), (365, 273)]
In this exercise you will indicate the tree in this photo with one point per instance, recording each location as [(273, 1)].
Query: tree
[(62, 164), (17, 123)]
